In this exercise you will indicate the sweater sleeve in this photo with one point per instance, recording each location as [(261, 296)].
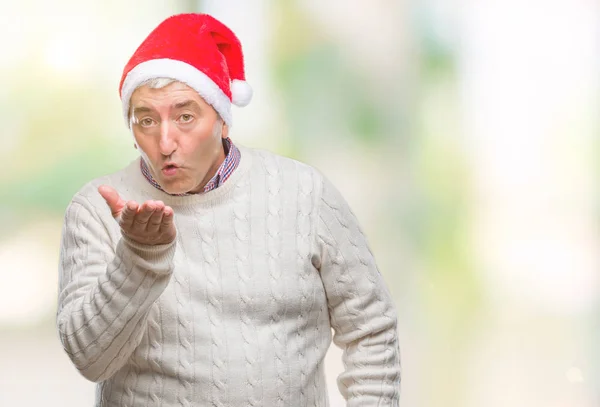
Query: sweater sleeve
[(362, 312), (106, 292)]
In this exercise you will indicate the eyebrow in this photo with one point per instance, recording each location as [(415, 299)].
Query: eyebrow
[(186, 103), (180, 105), (141, 109)]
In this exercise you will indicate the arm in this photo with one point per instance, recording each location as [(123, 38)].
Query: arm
[(105, 292), (361, 309)]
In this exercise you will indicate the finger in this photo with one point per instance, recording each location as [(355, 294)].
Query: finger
[(140, 222), (112, 198), (167, 219), (128, 214), (156, 219)]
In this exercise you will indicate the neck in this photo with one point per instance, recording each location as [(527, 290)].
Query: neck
[(213, 170)]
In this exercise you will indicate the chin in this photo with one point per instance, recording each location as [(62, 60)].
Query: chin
[(174, 189)]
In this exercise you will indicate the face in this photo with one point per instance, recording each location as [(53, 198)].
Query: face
[(179, 136)]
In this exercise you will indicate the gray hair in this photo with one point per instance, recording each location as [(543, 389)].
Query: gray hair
[(157, 83)]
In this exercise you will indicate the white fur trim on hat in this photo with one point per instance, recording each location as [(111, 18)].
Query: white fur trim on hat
[(181, 71)]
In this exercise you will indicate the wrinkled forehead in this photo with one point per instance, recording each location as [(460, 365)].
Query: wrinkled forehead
[(165, 93)]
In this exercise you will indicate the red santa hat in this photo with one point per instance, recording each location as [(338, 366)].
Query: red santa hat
[(195, 49)]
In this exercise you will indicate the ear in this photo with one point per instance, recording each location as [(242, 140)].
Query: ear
[(225, 132)]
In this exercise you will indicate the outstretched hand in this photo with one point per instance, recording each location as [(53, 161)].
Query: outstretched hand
[(149, 223)]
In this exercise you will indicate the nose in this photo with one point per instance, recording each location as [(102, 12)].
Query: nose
[(168, 138)]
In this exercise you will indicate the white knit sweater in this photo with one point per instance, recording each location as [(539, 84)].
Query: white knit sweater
[(238, 310)]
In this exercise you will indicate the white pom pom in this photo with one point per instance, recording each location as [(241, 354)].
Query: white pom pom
[(241, 93)]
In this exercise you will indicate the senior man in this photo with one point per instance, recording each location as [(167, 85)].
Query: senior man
[(206, 273)]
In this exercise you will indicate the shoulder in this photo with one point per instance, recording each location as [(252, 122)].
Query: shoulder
[(288, 168), (306, 182)]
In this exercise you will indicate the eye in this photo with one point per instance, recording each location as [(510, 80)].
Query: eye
[(186, 118), (146, 122)]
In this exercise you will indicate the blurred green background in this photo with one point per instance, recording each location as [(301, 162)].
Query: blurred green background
[(463, 134)]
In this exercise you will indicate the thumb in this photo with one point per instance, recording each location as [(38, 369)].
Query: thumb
[(112, 198)]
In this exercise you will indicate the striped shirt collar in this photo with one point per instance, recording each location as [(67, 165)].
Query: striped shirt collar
[(232, 160)]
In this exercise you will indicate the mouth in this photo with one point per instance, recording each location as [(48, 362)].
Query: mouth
[(170, 169)]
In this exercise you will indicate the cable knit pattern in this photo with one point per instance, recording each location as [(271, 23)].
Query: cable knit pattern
[(185, 332), (244, 267), (305, 208), (218, 348), (154, 356), (346, 280), (238, 310), (278, 312), (128, 397)]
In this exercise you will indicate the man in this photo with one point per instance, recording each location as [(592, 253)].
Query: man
[(207, 273)]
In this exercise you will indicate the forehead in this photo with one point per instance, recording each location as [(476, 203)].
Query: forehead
[(172, 93)]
